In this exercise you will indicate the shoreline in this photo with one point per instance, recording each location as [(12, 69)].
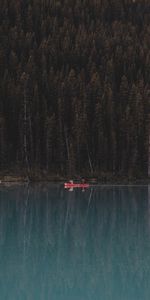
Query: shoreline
[(93, 180)]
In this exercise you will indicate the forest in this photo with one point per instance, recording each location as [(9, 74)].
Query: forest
[(75, 86)]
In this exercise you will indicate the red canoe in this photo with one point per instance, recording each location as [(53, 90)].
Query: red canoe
[(69, 185)]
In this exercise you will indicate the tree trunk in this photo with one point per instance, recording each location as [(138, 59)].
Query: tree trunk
[(25, 134), (149, 154)]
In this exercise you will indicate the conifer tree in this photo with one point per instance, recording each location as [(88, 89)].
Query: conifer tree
[(74, 91)]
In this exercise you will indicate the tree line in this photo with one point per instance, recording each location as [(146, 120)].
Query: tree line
[(75, 86)]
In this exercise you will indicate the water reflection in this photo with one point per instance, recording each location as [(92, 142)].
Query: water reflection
[(60, 245)]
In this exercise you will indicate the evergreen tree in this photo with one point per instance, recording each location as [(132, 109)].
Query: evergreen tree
[(74, 90)]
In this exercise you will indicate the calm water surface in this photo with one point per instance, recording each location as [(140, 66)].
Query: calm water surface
[(61, 245)]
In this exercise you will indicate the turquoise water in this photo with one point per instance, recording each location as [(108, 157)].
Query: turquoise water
[(61, 245)]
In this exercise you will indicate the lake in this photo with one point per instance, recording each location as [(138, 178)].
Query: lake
[(57, 244)]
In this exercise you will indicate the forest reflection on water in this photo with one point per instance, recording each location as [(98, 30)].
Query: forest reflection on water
[(56, 244)]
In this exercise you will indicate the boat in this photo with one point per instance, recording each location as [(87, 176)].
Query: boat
[(71, 184)]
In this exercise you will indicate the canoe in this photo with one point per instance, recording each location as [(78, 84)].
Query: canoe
[(68, 185)]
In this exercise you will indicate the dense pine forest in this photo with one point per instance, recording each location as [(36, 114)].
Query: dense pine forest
[(75, 86)]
